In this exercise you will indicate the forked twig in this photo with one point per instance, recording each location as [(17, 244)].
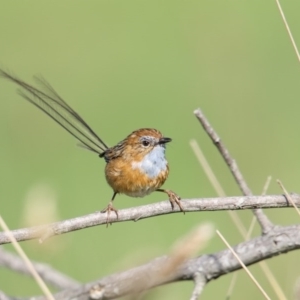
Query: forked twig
[(262, 219)]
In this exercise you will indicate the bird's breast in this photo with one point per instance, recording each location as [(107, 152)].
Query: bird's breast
[(139, 176), (152, 163)]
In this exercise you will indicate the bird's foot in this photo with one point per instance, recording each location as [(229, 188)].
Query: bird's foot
[(108, 210), (174, 198)]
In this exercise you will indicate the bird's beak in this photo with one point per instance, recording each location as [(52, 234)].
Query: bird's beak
[(164, 140)]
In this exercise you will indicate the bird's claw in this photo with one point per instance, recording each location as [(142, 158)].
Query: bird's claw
[(174, 198), (108, 210)]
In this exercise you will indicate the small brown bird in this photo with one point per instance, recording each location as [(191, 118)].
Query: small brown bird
[(136, 166)]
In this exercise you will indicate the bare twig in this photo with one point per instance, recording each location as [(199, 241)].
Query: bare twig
[(48, 274), (262, 219), (151, 210)]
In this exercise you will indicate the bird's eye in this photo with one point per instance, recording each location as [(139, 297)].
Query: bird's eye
[(146, 143)]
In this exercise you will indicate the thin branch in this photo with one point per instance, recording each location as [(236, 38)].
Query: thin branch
[(47, 273), (262, 219), (210, 266), (150, 210)]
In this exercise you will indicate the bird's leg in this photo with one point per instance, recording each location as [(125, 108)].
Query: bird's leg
[(173, 198), (109, 209)]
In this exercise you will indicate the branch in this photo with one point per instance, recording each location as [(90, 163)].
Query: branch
[(262, 219), (48, 274), (151, 210), (204, 268)]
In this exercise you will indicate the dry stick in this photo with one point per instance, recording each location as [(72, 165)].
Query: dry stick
[(246, 235), (288, 196), (288, 29), (243, 265), (262, 219), (260, 216), (30, 267)]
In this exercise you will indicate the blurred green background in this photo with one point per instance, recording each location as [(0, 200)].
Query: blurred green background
[(124, 65)]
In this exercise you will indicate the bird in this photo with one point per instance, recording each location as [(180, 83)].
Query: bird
[(136, 166)]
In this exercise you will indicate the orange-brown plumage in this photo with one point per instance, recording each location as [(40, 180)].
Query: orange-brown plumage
[(132, 182)]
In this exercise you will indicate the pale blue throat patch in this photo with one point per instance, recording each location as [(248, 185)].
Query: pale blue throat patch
[(153, 163)]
